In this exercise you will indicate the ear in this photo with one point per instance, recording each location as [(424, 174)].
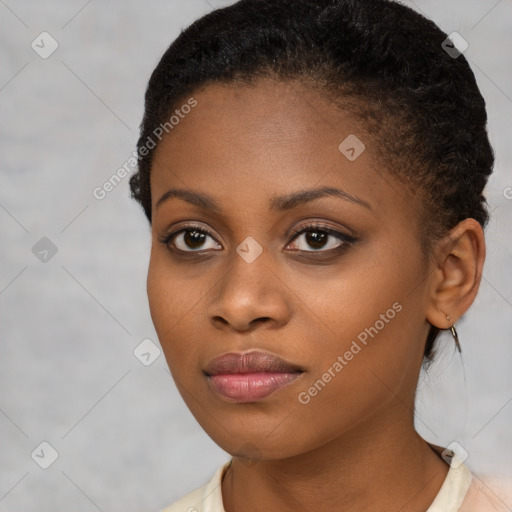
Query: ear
[(457, 271)]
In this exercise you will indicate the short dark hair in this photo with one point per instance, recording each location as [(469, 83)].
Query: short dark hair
[(379, 60)]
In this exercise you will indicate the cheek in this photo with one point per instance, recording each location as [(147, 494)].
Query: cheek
[(173, 306), (369, 340), (363, 299)]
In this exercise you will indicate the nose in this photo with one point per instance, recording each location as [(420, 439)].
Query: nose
[(249, 294)]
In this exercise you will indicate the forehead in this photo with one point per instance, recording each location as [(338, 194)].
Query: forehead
[(267, 113), (245, 144)]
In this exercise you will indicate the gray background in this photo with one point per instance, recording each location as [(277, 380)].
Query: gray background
[(69, 325)]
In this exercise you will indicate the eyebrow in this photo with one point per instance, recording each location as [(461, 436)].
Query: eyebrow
[(277, 203)]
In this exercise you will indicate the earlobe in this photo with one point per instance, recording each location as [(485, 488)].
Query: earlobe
[(459, 261)]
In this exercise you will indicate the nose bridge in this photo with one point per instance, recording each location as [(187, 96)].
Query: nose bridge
[(247, 275), (248, 288)]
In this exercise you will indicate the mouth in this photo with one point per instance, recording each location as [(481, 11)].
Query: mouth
[(249, 376)]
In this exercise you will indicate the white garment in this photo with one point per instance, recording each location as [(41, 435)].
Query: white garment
[(460, 492)]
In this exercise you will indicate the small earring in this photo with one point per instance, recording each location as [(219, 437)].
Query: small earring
[(454, 334)]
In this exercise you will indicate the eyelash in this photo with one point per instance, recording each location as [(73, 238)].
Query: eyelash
[(346, 240)]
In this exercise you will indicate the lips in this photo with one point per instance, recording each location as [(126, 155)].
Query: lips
[(249, 376), (250, 362)]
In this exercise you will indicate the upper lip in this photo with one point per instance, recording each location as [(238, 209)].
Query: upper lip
[(249, 362)]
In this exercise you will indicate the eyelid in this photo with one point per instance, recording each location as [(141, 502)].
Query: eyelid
[(167, 237), (320, 226), (345, 239)]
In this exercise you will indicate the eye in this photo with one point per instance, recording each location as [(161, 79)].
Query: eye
[(189, 239), (321, 238)]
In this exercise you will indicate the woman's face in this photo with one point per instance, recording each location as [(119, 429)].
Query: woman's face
[(343, 301)]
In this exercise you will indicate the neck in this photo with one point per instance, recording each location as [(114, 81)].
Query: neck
[(382, 464)]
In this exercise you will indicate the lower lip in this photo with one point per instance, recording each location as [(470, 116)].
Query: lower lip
[(250, 387)]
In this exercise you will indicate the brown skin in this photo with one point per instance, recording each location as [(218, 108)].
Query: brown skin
[(353, 446)]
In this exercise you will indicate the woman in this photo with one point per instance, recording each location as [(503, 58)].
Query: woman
[(313, 175)]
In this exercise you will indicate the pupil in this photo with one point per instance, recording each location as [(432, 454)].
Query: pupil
[(194, 239), (316, 238)]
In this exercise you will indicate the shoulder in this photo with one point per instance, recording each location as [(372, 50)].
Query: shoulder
[(191, 502), (464, 491), (207, 498), (488, 495)]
